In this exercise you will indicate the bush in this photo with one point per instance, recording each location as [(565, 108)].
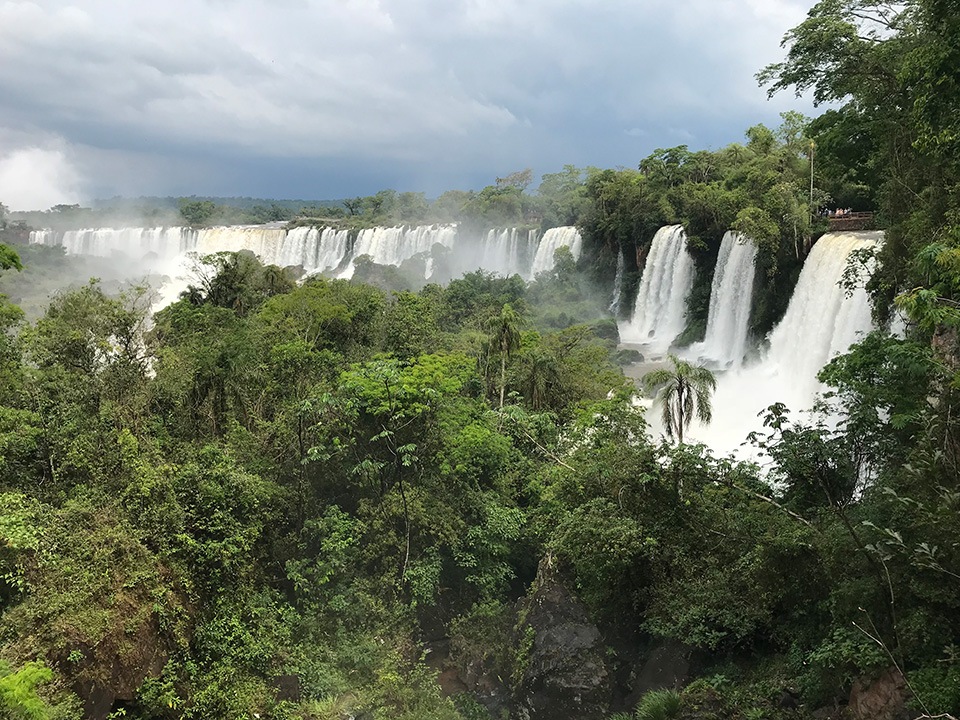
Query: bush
[(658, 705)]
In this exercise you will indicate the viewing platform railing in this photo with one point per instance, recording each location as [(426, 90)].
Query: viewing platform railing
[(851, 221)]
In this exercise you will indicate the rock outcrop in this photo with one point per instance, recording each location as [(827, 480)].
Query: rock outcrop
[(561, 672)]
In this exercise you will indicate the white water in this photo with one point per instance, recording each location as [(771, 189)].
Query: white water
[(659, 314), (133, 243), (821, 322), (328, 250), (725, 341), (617, 289), (506, 251), (393, 245), (552, 240)]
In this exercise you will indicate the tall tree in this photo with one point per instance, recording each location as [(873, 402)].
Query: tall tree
[(504, 339), (682, 393)]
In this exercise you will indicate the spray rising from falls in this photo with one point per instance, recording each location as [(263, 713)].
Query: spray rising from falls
[(658, 316), (822, 320), (731, 294)]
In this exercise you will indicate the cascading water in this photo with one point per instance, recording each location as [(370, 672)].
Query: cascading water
[(264, 241), (134, 243), (552, 240), (164, 250), (617, 289), (731, 294), (393, 245), (506, 251), (316, 250), (658, 316), (822, 320)]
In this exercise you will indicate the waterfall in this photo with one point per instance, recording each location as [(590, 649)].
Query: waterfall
[(553, 239), (658, 316), (821, 321), (316, 250), (134, 243), (617, 282), (731, 294), (264, 241), (393, 245), (506, 251)]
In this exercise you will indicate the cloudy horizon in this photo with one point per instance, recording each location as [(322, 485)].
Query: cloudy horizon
[(322, 99)]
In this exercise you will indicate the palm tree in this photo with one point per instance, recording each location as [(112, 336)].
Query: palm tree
[(683, 391), (505, 338)]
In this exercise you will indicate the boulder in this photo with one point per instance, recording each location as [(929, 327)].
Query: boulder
[(561, 672), (879, 698)]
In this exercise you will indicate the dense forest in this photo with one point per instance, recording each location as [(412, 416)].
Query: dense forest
[(332, 499)]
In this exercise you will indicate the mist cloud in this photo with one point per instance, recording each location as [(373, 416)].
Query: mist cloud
[(37, 178)]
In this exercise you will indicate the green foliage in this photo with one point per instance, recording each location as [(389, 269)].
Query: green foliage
[(18, 692), (196, 212), (937, 687), (681, 393), (9, 258), (658, 705)]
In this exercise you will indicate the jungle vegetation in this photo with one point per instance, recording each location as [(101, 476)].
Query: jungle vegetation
[(270, 484)]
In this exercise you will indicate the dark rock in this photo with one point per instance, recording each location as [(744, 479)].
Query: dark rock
[(628, 356), (666, 667), (561, 671), (788, 700), (879, 698), (288, 688), (114, 670)]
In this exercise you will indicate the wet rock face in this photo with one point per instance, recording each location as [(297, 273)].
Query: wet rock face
[(561, 671)]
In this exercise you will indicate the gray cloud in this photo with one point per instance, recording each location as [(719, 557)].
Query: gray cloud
[(179, 89)]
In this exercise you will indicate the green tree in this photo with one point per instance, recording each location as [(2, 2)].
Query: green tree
[(682, 393), (504, 332), (196, 212), (8, 257)]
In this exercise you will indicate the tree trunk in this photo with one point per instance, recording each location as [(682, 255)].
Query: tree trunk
[(503, 375)]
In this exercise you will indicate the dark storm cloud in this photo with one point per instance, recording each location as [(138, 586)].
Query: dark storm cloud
[(375, 93)]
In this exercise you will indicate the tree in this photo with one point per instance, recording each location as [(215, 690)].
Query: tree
[(353, 205), (683, 391), (196, 212), (520, 179), (8, 257), (504, 339)]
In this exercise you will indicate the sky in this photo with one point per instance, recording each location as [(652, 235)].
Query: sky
[(323, 99)]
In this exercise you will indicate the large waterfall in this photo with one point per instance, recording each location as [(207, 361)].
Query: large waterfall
[(134, 243), (504, 251), (660, 311), (731, 294), (822, 320)]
